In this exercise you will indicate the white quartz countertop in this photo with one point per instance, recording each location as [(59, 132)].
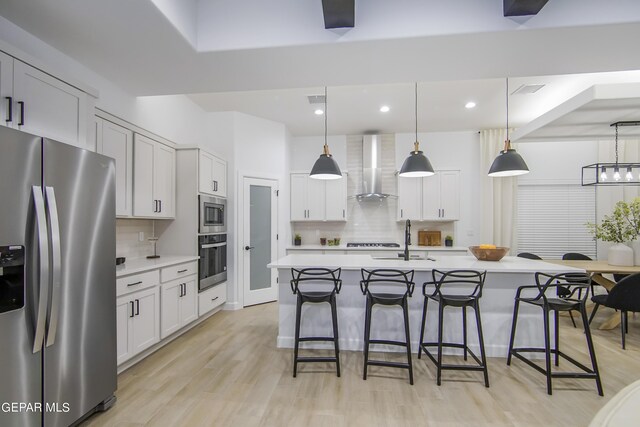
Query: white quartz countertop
[(344, 247), (450, 262), (139, 265)]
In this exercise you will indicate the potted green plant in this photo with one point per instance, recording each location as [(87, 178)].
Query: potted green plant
[(448, 241), (297, 239), (619, 227)]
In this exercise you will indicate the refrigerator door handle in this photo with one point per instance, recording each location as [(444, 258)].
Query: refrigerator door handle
[(56, 282), (43, 254)]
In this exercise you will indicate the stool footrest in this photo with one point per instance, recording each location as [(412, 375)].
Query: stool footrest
[(316, 359), (305, 339), (388, 342), (589, 373), (480, 366), (388, 364)]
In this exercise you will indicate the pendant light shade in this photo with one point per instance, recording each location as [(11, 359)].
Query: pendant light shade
[(508, 162), (325, 167), (416, 165)]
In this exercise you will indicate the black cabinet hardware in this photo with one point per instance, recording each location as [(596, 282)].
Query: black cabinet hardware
[(183, 271), (248, 248), (137, 307), (135, 283), (213, 299), (132, 313), (9, 118), (21, 104)]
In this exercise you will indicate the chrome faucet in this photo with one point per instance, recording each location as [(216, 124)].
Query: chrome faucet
[(407, 239)]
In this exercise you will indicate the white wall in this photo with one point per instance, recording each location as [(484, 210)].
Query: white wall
[(304, 151), (259, 150)]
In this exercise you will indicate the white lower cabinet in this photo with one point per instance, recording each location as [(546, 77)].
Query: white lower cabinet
[(179, 305), (138, 322), (212, 298)]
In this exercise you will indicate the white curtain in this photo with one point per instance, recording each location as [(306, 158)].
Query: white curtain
[(498, 210)]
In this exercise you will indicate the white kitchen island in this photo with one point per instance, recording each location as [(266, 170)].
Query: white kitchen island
[(496, 305)]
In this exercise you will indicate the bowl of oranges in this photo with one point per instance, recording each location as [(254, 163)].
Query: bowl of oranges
[(487, 252)]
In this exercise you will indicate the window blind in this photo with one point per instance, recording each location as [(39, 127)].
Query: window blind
[(552, 219)]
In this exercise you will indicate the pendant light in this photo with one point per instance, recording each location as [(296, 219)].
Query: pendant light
[(416, 165), (508, 162), (325, 167)]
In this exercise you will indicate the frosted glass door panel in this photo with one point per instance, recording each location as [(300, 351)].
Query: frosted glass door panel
[(260, 236)]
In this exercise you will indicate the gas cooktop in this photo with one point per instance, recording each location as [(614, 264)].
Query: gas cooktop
[(373, 245)]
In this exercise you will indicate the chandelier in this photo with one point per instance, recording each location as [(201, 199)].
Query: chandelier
[(613, 173)]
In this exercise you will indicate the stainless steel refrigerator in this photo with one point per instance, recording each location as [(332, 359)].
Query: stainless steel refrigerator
[(57, 281)]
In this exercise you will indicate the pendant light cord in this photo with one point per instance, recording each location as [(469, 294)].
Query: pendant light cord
[(325, 117), (416, 109), (616, 145), (507, 97)]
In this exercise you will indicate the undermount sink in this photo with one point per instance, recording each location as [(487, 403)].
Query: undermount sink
[(418, 257)]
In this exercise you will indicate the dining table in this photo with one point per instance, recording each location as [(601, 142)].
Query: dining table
[(597, 268)]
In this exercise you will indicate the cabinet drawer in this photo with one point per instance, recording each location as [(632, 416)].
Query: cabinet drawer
[(135, 282), (212, 298), (178, 271)]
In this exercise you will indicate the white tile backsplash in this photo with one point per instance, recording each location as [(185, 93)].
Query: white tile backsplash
[(127, 238), (368, 221)]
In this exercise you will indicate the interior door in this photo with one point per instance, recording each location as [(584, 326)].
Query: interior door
[(260, 227)]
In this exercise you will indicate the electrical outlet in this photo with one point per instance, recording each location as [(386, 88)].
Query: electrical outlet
[(141, 236)]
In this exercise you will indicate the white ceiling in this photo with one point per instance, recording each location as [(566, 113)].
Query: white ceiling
[(264, 58)]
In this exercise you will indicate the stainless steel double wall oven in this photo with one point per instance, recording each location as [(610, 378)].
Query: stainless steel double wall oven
[(212, 241)]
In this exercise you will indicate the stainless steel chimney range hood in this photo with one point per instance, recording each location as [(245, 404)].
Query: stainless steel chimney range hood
[(372, 169)]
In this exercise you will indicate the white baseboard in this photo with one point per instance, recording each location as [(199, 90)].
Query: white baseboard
[(230, 306)]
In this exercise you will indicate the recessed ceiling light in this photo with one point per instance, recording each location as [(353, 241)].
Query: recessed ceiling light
[(319, 112), (384, 109), (470, 104)]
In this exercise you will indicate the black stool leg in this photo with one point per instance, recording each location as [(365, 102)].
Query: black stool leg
[(556, 326), (422, 326), (623, 328), (440, 322), (297, 337), (334, 319), (483, 356), (513, 330), (367, 333), (547, 350), (592, 351), (572, 321), (405, 309), (464, 330)]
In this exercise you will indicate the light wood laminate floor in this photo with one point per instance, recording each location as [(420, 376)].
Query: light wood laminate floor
[(228, 372)]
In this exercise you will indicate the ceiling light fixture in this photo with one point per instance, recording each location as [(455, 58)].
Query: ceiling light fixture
[(325, 167), (319, 112), (470, 105), (384, 109), (596, 173), (508, 162), (417, 164)]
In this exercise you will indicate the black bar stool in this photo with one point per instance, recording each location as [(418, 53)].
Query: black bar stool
[(316, 278), (386, 278), (461, 279), (579, 284)]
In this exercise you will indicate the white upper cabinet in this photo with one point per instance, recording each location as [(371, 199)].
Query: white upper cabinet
[(117, 142), (441, 196), (317, 199), (213, 175), (6, 90), (154, 177), (45, 106), (336, 199), (409, 198), (432, 198)]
